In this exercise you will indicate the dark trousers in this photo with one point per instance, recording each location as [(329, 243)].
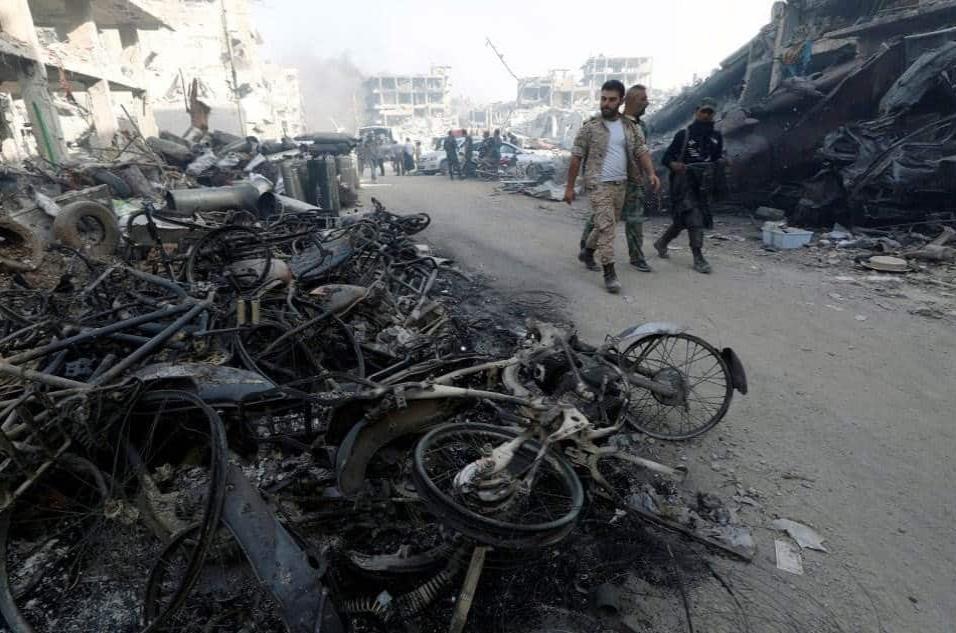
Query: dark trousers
[(453, 166), (690, 208)]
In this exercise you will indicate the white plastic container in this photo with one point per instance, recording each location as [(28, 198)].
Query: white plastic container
[(787, 238)]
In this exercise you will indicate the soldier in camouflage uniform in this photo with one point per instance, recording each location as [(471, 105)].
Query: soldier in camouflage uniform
[(614, 153), (635, 104)]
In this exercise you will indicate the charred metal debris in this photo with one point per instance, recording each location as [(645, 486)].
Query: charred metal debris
[(839, 111), (238, 410)]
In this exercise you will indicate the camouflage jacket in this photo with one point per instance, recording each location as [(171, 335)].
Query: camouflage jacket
[(591, 146)]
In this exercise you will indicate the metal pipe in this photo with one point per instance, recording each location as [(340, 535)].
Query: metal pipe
[(89, 335), (293, 184), (243, 196), (35, 376), (291, 205), (158, 341)]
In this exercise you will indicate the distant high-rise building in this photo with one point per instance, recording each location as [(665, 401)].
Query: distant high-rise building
[(396, 99), (628, 70)]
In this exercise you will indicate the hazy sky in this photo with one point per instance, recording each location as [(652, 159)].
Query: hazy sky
[(407, 36)]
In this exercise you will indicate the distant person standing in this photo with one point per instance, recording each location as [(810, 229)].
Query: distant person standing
[(408, 155), (451, 154), (398, 165), (468, 169), (693, 158), (418, 154), (495, 155), (485, 148), (371, 156), (613, 150)]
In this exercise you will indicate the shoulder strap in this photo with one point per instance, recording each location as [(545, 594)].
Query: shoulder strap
[(683, 150)]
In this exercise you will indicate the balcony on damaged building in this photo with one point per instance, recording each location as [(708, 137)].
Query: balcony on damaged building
[(86, 65)]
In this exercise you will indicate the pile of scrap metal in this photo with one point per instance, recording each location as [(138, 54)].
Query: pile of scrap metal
[(839, 110), (266, 423), (316, 169)]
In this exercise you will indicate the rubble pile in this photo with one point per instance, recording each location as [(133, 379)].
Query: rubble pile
[(839, 111), (243, 413)]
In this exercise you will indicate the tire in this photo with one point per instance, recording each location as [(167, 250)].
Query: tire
[(16, 240), (458, 444), (88, 226), (655, 415), (116, 184), (442, 167)]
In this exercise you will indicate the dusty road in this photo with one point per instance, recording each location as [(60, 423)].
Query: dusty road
[(849, 425)]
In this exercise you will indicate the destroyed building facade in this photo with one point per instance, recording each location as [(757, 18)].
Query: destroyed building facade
[(217, 44), (81, 71), (627, 70), (69, 66), (397, 99)]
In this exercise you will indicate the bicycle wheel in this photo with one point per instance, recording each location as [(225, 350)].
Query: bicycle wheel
[(504, 512), (696, 372)]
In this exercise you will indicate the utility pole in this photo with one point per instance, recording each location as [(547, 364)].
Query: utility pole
[(491, 44), (232, 66), (501, 57)]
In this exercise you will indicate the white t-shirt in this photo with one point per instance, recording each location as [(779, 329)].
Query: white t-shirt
[(615, 161)]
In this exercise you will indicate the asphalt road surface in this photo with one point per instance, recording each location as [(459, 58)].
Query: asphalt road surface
[(850, 424)]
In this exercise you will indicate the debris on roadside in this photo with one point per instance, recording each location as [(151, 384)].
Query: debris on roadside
[(806, 537), (837, 112), (228, 406)]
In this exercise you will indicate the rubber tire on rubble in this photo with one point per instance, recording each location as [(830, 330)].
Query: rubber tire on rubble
[(23, 233), (483, 528), (66, 227), (116, 184)]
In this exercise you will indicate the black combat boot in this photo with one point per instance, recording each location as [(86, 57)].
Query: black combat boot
[(641, 264), (661, 247), (700, 264), (610, 279), (587, 256)]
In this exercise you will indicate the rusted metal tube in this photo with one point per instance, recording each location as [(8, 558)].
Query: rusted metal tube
[(243, 196)]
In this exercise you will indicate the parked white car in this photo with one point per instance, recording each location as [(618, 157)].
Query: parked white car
[(435, 162)]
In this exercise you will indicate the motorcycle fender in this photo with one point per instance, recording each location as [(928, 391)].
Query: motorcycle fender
[(649, 329)]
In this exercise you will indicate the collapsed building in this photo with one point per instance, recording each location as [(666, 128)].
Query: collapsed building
[(217, 44), (839, 110), (553, 106), (420, 105), (79, 73)]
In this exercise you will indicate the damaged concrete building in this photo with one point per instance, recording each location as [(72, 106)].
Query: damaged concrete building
[(216, 43), (839, 110), (55, 80), (627, 70), (78, 72), (395, 100)]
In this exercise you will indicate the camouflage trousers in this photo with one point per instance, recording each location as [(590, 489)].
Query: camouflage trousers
[(607, 200), (633, 215)]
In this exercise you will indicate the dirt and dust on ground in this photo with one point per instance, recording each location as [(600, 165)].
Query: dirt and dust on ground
[(847, 421)]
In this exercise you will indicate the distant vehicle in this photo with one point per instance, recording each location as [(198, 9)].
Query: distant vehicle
[(380, 131), (435, 162)]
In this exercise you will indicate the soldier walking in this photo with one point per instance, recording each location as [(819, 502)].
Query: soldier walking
[(614, 152), (635, 104), (693, 160)]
